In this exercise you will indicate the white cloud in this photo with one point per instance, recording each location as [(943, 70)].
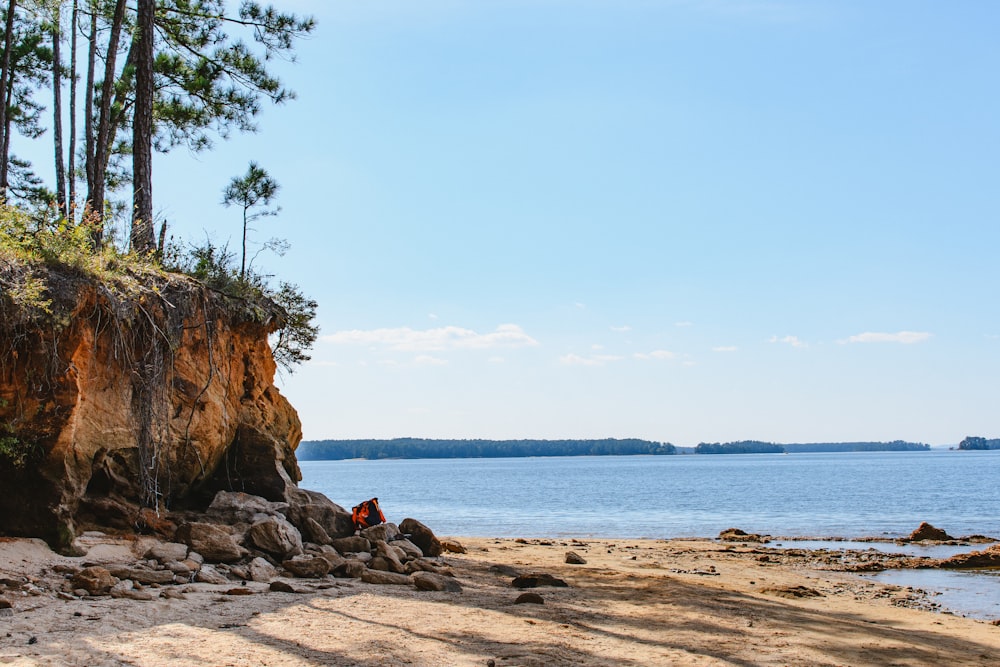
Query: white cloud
[(622, 329), (406, 339), (788, 340), (725, 348), (684, 324), (656, 354), (904, 337), (596, 360)]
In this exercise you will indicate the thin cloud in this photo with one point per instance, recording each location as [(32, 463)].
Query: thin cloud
[(903, 337), (725, 348), (405, 339), (428, 360), (685, 323), (660, 355), (622, 329), (595, 360), (788, 340)]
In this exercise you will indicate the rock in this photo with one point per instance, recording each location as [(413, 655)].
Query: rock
[(574, 558), (926, 531), (142, 575), (95, 580), (422, 536), (383, 531), (737, 535), (209, 575), (167, 551), (332, 518), (178, 567), (121, 588), (974, 559), (352, 544), (537, 579), (275, 536), (453, 546), (409, 549), (428, 581), (232, 507), (307, 567), (792, 592), (281, 587), (424, 565), (330, 555), (239, 590), (213, 542), (260, 570), (349, 569), (529, 598), (315, 532), (5, 603), (380, 577)]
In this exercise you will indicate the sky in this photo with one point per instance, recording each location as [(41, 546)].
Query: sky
[(679, 220)]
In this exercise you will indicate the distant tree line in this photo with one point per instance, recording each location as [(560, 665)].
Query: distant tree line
[(758, 447), (419, 448), (976, 442)]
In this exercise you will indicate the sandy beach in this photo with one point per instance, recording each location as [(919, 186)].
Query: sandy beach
[(633, 602)]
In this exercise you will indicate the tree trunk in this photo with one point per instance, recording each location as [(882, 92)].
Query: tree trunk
[(102, 145), (88, 104), (57, 110), (8, 40), (71, 173), (142, 132)]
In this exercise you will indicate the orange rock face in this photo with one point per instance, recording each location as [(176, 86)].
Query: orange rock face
[(154, 399)]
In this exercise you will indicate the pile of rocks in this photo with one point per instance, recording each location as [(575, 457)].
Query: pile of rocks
[(243, 538)]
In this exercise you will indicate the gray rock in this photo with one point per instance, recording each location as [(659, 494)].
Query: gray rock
[(213, 542), (233, 507), (142, 575), (281, 587), (352, 544), (121, 588), (424, 565), (305, 504), (410, 549), (307, 567), (383, 531), (260, 570), (573, 558), (330, 555), (164, 552), (428, 581), (314, 531), (209, 575), (380, 577), (422, 536), (275, 536)]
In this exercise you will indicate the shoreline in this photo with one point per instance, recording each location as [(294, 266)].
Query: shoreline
[(633, 602)]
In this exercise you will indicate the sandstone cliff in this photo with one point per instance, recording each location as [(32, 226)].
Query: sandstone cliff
[(125, 397)]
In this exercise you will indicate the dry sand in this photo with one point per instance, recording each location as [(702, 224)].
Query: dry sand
[(634, 602)]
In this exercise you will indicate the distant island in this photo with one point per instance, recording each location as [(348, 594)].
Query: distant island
[(425, 448), (977, 442)]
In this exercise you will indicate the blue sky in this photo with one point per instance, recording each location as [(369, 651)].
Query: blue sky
[(690, 220)]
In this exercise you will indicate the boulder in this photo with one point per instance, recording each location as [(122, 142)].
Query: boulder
[(529, 598), (573, 558), (352, 544), (167, 551), (975, 559), (384, 531), (738, 535), (275, 536), (304, 504), (349, 569), (926, 531), (232, 507), (142, 575), (422, 536), (330, 555), (260, 570), (409, 549), (307, 567), (211, 541), (453, 546), (314, 532), (381, 577), (428, 581), (209, 575), (424, 565), (96, 580)]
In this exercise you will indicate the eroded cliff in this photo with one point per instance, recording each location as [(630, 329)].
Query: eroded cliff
[(122, 398)]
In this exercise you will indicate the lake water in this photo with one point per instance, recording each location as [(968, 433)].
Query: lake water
[(870, 494), (852, 495)]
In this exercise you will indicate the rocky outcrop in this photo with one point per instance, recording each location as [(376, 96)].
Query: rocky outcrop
[(927, 532), (132, 397)]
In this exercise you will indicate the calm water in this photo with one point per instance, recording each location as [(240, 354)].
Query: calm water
[(845, 495)]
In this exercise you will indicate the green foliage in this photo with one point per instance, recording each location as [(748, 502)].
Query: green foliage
[(419, 448), (298, 333), (973, 442)]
